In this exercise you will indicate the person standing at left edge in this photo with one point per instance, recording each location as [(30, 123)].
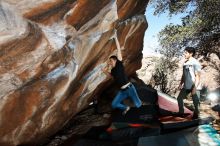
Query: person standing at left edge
[(115, 68)]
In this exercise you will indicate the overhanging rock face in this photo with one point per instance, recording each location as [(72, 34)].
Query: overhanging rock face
[(51, 55)]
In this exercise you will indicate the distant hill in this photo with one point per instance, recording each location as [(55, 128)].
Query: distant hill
[(209, 73)]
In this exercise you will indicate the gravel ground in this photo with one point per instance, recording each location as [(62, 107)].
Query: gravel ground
[(89, 118)]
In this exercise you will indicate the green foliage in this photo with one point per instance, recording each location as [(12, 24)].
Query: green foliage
[(161, 81), (174, 6), (164, 69), (200, 28)]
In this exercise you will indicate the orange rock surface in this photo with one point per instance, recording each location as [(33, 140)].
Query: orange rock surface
[(51, 55)]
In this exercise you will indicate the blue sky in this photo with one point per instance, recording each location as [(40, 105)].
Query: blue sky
[(155, 24)]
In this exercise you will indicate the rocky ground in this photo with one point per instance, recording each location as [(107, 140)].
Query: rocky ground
[(205, 111), (90, 118), (78, 126)]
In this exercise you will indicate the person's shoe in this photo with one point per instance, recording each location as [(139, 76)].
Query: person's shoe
[(126, 110)]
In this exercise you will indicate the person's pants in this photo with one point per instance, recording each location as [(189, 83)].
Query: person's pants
[(129, 92), (183, 94)]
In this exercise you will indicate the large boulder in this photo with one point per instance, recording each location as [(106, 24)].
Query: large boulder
[(51, 55)]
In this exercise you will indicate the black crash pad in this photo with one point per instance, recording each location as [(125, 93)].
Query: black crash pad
[(147, 95), (185, 124), (90, 142), (134, 132), (144, 114)]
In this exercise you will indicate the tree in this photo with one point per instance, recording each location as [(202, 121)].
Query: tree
[(200, 28), (163, 72)]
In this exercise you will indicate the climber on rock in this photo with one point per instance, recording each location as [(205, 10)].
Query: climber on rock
[(115, 69)]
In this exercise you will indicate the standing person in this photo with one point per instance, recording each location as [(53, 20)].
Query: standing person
[(115, 68), (190, 81)]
